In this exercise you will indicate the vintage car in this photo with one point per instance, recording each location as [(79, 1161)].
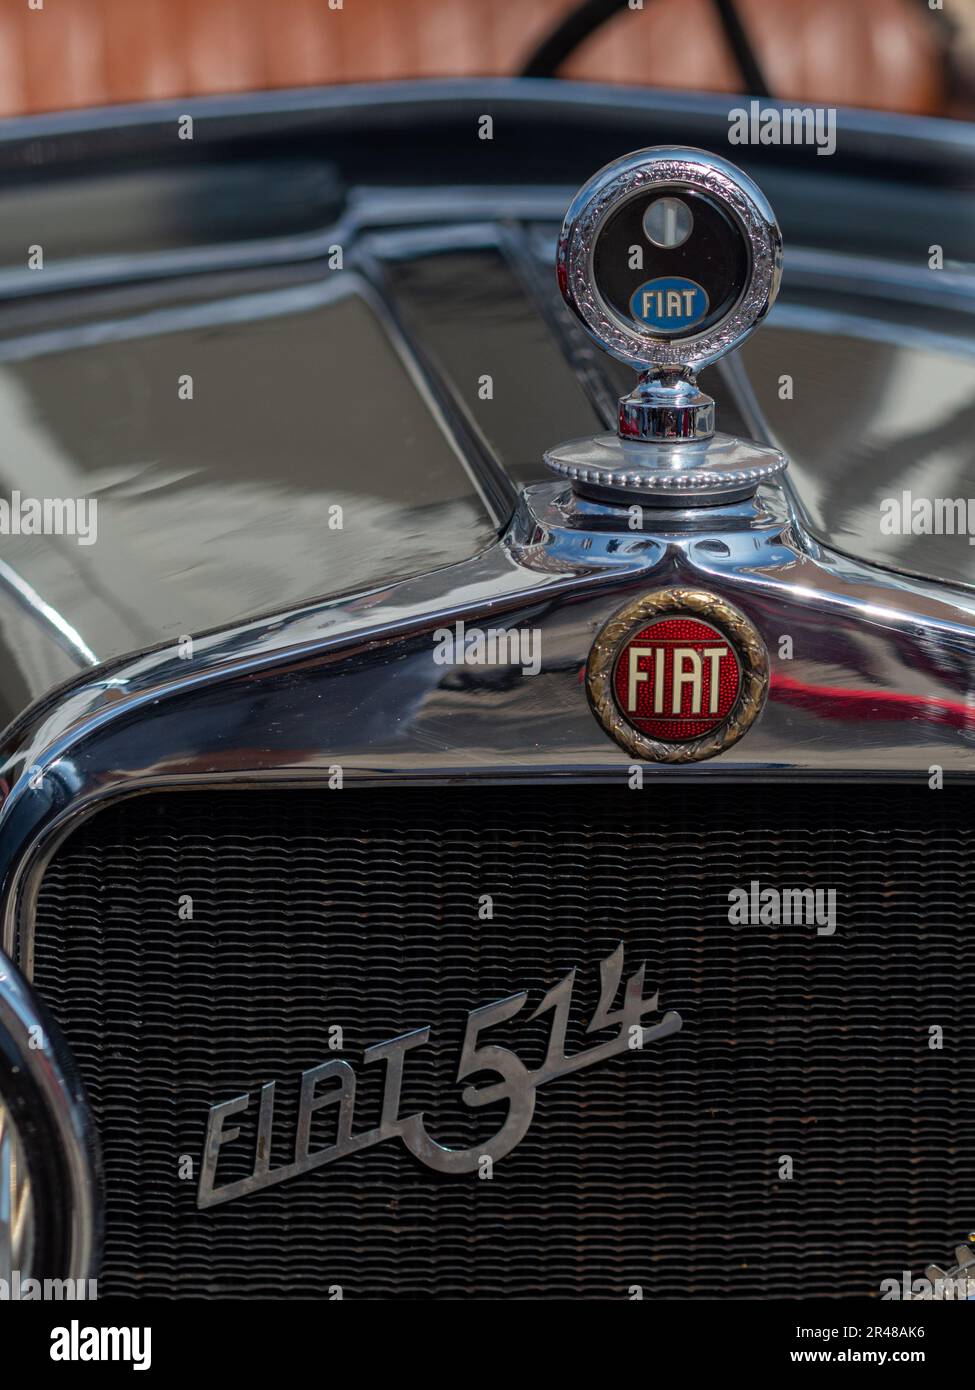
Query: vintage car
[(487, 796)]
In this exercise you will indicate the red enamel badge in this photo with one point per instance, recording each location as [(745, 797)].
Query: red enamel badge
[(677, 678), (677, 675)]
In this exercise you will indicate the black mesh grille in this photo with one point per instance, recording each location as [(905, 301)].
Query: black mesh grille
[(661, 1168)]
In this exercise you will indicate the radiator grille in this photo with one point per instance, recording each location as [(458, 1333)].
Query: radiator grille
[(364, 909)]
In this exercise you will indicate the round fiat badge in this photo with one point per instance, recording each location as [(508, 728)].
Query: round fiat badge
[(677, 675)]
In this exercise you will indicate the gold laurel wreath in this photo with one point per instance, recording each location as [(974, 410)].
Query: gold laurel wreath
[(752, 657)]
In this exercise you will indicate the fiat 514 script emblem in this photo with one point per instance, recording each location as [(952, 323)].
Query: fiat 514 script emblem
[(333, 1084), (677, 675)]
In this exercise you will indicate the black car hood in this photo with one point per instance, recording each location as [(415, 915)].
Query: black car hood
[(285, 375)]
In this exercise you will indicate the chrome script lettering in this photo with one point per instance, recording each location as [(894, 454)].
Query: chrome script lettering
[(333, 1083)]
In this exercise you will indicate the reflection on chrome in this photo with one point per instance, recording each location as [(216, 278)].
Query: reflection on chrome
[(16, 1208)]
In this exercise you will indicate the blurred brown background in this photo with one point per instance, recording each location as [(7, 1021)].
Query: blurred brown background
[(893, 54)]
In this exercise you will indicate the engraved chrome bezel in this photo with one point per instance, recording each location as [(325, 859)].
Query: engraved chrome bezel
[(668, 167), (743, 636)]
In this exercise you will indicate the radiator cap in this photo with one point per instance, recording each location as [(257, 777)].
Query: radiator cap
[(670, 258)]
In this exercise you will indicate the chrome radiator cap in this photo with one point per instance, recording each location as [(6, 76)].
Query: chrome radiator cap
[(670, 258)]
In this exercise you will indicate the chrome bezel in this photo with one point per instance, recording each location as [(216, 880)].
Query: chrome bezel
[(48, 1109), (668, 167)]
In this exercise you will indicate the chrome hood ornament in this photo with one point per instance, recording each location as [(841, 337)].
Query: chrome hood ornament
[(670, 258)]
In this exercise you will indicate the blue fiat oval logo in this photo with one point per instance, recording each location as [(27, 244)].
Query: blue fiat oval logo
[(669, 303)]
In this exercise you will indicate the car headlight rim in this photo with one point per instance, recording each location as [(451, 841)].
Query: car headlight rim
[(50, 1137)]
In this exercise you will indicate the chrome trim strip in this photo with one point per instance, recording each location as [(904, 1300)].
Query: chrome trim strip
[(56, 626), (811, 318), (535, 276), (952, 288), (475, 455)]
